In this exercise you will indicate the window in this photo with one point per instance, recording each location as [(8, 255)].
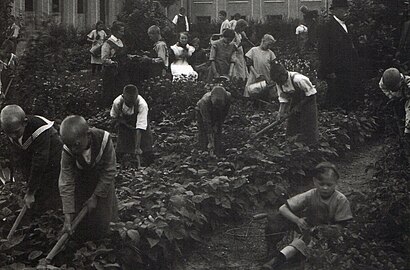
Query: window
[(29, 5), (80, 6), (55, 6)]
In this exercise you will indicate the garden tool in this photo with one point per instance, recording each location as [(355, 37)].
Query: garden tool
[(63, 239), (17, 222), (277, 122), (3, 94)]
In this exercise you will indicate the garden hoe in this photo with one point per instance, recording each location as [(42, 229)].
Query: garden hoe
[(17, 222), (63, 239), (277, 122)]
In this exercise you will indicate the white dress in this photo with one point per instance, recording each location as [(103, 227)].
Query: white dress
[(180, 68), (97, 43)]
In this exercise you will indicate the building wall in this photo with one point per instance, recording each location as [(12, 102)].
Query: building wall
[(67, 14), (251, 9)]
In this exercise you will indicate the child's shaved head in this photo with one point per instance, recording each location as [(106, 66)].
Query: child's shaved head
[(12, 114), (130, 89), (392, 78), (73, 126), (13, 121)]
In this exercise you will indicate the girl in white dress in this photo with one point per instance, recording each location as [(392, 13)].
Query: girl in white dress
[(97, 38), (179, 55)]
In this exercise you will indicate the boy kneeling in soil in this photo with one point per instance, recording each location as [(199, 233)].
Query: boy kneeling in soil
[(211, 111), (88, 168), (323, 205), (130, 114), (38, 146)]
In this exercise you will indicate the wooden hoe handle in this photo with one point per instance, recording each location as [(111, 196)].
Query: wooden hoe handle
[(65, 236), (17, 222)]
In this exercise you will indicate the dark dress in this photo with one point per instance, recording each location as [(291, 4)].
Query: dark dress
[(39, 158), (115, 77)]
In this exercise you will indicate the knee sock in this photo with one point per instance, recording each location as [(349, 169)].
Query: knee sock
[(289, 252)]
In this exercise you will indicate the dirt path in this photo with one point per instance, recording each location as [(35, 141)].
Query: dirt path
[(223, 251)]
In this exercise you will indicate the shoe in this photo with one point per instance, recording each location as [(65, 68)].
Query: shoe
[(274, 263)]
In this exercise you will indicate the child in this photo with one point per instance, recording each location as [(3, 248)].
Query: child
[(159, 56), (239, 70), (302, 37), (88, 168), (211, 111), (96, 37), (224, 21), (8, 64), (199, 60), (39, 147), (114, 58), (296, 92), (130, 113), (397, 86), (179, 55), (259, 59), (323, 205), (221, 56)]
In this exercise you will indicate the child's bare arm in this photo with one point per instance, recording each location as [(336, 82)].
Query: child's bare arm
[(287, 213)]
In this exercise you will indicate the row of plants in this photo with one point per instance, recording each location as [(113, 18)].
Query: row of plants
[(378, 237), (166, 207)]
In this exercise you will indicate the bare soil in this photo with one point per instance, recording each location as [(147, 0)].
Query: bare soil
[(223, 250)]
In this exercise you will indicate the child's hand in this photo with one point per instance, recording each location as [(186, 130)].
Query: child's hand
[(302, 224), (91, 203)]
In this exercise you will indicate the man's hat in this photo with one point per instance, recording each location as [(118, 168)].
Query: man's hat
[(339, 4)]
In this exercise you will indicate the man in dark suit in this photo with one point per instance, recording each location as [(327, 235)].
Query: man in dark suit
[(338, 58)]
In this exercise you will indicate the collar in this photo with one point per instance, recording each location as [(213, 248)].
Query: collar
[(339, 20)]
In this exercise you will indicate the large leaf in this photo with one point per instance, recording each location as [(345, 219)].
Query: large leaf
[(134, 235), (152, 242), (34, 254)]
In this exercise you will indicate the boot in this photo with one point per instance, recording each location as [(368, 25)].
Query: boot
[(276, 262)]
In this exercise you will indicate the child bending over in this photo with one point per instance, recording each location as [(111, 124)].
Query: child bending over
[(211, 111), (130, 114), (88, 168), (322, 205)]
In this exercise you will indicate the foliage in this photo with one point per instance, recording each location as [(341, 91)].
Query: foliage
[(378, 238), (166, 207), (139, 15), (5, 15)]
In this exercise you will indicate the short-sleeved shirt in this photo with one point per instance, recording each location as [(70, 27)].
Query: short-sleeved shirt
[(321, 211), (301, 29), (119, 108), (161, 50), (225, 25), (261, 61), (287, 89), (222, 54)]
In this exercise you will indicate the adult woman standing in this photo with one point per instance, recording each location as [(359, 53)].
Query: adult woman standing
[(179, 55), (114, 59), (97, 38), (239, 69)]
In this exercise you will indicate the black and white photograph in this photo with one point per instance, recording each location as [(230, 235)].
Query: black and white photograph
[(205, 134)]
